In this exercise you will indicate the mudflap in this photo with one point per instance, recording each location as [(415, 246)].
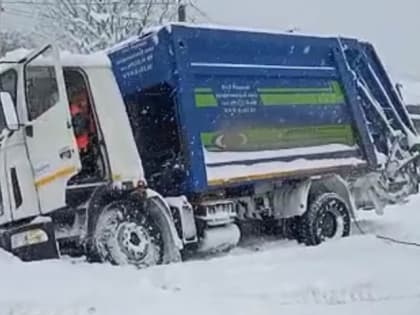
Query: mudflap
[(31, 242), (160, 211)]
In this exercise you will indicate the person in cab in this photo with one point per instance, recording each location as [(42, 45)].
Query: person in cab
[(84, 131)]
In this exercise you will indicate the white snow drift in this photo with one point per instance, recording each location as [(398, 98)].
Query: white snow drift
[(357, 275)]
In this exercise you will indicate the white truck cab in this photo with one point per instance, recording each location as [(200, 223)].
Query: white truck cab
[(43, 174), (91, 198)]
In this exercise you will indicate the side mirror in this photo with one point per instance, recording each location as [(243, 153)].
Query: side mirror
[(9, 111)]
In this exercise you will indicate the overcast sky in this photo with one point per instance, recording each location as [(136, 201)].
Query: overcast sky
[(393, 26)]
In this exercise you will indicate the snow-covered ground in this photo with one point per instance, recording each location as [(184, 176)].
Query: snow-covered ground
[(357, 275)]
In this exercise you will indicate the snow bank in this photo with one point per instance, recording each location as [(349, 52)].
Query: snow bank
[(7, 258), (358, 275), (401, 222)]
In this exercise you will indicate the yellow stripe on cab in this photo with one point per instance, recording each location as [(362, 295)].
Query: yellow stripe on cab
[(63, 172)]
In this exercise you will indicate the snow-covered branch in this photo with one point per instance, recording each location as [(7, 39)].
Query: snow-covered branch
[(86, 25)]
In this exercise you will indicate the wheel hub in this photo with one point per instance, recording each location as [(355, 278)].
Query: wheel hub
[(123, 239), (133, 240), (330, 223)]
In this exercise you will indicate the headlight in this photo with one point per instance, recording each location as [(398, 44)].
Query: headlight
[(28, 238)]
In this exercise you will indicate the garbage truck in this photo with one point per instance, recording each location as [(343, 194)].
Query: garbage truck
[(196, 133)]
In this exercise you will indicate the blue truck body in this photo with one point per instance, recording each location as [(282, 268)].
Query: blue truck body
[(264, 104)]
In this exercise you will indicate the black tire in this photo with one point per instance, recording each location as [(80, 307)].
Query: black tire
[(125, 235), (327, 217), (291, 228)]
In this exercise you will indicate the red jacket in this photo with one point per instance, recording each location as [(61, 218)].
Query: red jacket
[(81, 125)]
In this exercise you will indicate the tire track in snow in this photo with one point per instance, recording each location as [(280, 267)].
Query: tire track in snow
[(358, 294)]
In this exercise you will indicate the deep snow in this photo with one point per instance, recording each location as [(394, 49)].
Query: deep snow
[(357, 275)]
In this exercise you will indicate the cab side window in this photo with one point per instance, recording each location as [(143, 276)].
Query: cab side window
[(8, 82), (1, 203), (2, 120), (417, 124), (41, 90)]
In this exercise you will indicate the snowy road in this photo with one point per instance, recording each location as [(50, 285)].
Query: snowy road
[(358, 275)]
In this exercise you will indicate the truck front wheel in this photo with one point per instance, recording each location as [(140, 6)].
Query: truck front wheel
[(124, 236), (327, 217)]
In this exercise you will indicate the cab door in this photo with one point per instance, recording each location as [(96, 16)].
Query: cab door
[(48, 130), (19, 198)]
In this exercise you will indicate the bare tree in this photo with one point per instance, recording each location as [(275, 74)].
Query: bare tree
[(90, 25)]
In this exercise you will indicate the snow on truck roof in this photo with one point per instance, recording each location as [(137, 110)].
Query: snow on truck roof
[(100, 59), (168, 27), (249, 29), (67, 59)]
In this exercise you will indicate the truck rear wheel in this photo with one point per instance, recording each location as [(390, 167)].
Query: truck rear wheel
[(327, 217), (124, 236)]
